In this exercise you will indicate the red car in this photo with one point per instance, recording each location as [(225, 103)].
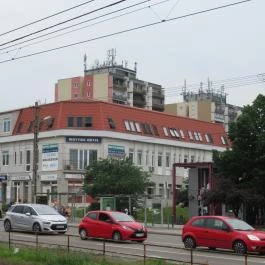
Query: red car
[(222, 232), (111, 225)]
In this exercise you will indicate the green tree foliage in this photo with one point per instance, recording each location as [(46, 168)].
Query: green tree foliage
[(240, 170), (115, 177)]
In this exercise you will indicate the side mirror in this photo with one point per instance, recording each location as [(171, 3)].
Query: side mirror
[(27, 214)]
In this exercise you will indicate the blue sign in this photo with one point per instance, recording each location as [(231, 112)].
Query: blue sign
[(116, 150)]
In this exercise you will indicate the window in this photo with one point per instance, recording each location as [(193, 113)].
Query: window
[(132, 126), (88, 121), (7, 125), (159, 159), (167, 159), (70, 121), (20, 157), (5, 156), (131, 151), (15, 158), (137, 126), (153, 159), (76, 85), (190, 135), (196, 136), (224, 140), (139, 157), (127, 125), (111, 123), (172, 132), (147, 158), (92, 216), (200, 136), (93, 156), (28, 160), (182, 134), (79, 122), (88, 83), (165, 131), (176, 133), (155, 131)]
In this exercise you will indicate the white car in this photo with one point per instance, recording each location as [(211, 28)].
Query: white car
[(34, 217)]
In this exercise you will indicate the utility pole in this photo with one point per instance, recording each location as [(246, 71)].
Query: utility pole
[(35, 153)]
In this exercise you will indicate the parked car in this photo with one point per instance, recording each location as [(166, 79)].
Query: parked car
[(34, 217), (111, 225), (222, 232)]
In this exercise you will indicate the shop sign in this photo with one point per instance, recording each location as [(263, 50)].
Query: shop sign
[(52, 177), (81, 139), (50, 157), (20, 178), (3, 177), (116, 150)]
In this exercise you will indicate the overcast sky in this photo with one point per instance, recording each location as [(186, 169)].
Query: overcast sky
[(219, 45)]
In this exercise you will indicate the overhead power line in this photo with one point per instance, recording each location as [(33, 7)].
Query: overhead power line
[(45, 18), (127, 30), (82, 22), (63, 22)]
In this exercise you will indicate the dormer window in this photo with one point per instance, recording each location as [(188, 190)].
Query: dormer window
[(7, 125), (111, 123), (88, 121)]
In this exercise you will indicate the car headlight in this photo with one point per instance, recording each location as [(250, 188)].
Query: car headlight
[(253, 238), (126, 227)]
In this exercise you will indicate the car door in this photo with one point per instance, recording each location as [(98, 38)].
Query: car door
[(16, 217), (218, 235), (27, 218), (104, 226)]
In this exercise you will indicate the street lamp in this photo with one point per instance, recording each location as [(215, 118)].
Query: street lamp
[(35, 153), (36, 129)]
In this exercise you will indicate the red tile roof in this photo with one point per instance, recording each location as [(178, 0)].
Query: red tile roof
[(100, 112)]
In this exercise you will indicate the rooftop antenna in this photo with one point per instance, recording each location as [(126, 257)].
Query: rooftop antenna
[(111, 56), (85, 62), (135, 66)]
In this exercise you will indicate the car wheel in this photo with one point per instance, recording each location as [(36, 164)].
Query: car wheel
[(240, 247), (36, 228), (189, 242), (83, 234), (7, 226), (116, 236)]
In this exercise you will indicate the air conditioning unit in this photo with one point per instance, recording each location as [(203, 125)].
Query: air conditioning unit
[(151, 169)]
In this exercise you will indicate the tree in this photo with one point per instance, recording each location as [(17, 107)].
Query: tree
[(240, 171), (115, 177)]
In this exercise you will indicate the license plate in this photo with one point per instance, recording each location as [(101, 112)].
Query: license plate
[(139, 234), (60, 226)]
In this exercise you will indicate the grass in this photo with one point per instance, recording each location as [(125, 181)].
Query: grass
[(43, 256)]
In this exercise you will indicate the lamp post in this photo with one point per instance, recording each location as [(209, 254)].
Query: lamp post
[(35, 153)]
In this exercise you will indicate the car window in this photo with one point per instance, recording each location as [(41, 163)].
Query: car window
[(238, 224), (121, 217), (103, 217), (43, 209), (92, 216), (18, 209), (28, 209), (198, 222)]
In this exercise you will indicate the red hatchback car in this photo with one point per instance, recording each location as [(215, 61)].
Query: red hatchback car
[(222, 232), (111, 225)]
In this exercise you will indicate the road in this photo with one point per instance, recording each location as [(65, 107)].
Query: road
[(165, 244)]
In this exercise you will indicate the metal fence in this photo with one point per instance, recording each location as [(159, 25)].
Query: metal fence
[(144, 253)]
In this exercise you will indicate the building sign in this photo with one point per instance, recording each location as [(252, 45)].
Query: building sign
[(3, 177), (50, 157), (52, 177), (20, 178), (74, 176), (81, 139), (116, 150)]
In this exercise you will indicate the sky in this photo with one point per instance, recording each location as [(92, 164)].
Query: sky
[(181, 44)]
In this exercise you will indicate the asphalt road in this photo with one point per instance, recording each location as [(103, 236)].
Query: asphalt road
[(161, 243)]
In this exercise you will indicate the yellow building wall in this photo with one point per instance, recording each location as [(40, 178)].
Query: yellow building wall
[(64, 89), (204, 110), (101, 86)]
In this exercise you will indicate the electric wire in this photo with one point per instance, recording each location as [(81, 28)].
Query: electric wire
[(126, 30), (118, 16), (45, 18), (63, 22)]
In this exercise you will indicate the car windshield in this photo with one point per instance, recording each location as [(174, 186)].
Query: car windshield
[(45, 210), (122, 217), (239, 225)]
